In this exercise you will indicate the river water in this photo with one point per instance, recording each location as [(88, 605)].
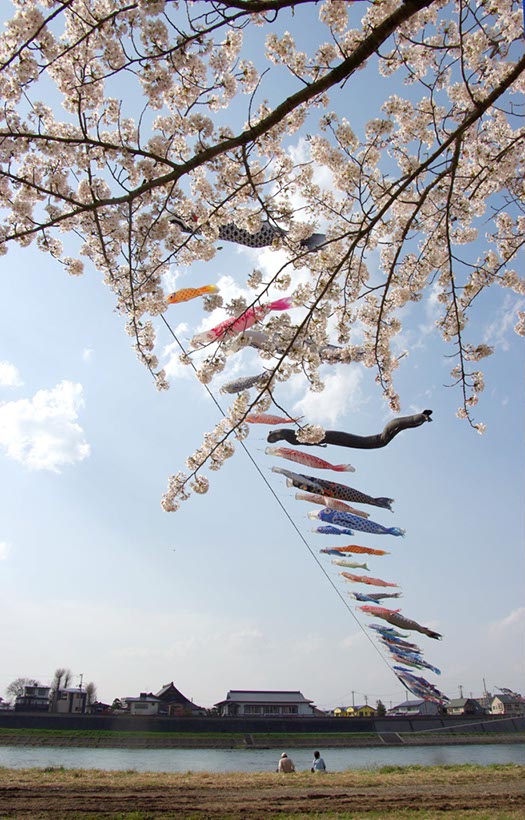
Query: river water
[(254, 760)]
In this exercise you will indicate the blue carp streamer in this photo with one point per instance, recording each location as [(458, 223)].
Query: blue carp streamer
[(344, 519)]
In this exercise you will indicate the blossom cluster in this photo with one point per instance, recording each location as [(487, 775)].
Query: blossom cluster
[(162, 137)]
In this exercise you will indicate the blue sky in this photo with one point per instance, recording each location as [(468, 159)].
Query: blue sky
[(224, 594)]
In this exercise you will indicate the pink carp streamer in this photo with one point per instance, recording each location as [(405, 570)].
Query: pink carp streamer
[(308, 460), (234, 326), (267, 418), (332, 503), (365, 579)]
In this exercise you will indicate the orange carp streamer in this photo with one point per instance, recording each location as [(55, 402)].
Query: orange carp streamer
[(355, 548), (185, 294)]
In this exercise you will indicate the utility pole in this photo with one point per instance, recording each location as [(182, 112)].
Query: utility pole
[(81, 676), (353, 699), (461, 691), (366, 700)]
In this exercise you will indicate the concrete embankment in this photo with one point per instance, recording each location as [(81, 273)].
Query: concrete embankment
[(189, 741)]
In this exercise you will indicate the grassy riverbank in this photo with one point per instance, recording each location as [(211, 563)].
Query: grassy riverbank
[(467, 792), (234, 740)]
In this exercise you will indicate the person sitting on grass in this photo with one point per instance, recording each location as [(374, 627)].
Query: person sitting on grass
[(285, 764), (318, 764)]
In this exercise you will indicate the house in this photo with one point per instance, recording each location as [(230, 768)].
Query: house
[(464, 706), (70, 701), (355, 711), (507, 705), (413, 708), (100, 708), (174, 703), (254, 703), (146, 704), (34, 699), (361, 711)]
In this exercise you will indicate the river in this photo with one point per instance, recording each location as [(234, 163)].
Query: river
[(254, 760)]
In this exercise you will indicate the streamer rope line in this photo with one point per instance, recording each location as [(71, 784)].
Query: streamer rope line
[(285, 511)]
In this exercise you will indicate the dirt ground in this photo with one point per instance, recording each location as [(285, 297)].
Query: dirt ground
[(78, 795)]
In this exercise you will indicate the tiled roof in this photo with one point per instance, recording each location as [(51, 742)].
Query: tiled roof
[(256, 696)]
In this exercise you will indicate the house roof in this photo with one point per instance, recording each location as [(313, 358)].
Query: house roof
[(457, 703), (170, 694), (256, 696), (412, 704), (73, 690), (507, 699), (142, 699)]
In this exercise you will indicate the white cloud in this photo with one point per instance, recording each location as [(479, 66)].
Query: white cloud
[(497, 332), (5, 549), (513, 619), (342, 392), (9, 375), (42, 432), (433, 309), (170, 280), (87, 354)]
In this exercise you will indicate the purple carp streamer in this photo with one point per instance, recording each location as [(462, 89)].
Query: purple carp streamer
[(387, 630), (245, 383), (398, 643), (265, 236), (331, 503), (344, 519), (375, 596), (413, 659), (312, 484), (362, 596), (308, 460), (393, 616), (392, 429), (419, 686)]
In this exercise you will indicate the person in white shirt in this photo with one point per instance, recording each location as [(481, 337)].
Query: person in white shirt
[(318, 764), (285, 764)]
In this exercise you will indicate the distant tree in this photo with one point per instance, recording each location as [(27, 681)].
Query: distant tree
[(380, 709), (61, 680), (91, 691), (17, 687)]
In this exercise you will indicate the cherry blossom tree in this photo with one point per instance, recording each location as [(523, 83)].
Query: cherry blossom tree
[(138, 130)]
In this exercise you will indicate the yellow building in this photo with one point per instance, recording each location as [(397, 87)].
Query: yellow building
[(355, 711)]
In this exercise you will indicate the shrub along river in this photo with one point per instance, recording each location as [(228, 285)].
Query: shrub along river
[(255, 760)]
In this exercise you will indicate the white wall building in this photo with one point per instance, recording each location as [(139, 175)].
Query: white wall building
[(254, 703), (145, 704)]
